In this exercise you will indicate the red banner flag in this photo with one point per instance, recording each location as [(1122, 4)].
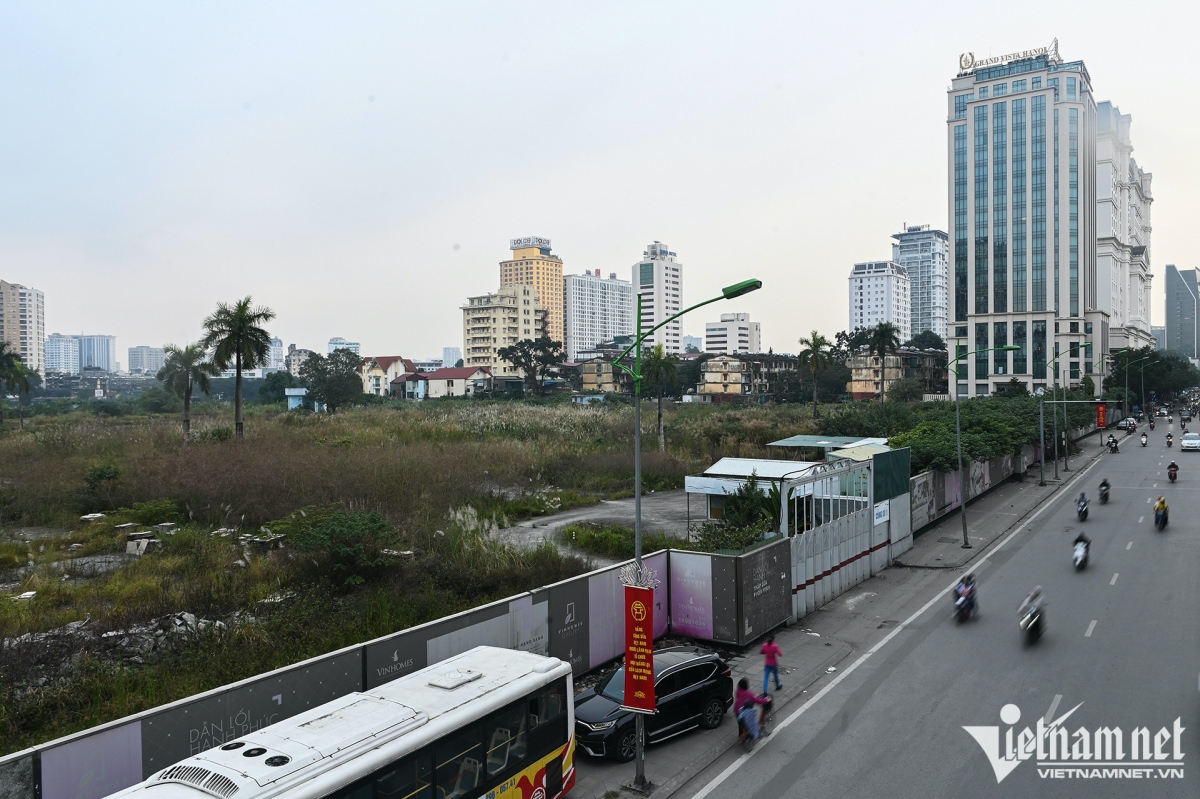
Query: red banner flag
[(1101, 416), (639, 649)]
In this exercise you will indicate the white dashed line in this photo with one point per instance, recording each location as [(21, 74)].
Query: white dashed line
[(1147, 500), (1113, 581), (1140, 520), (1129, 545), (1091, 627)]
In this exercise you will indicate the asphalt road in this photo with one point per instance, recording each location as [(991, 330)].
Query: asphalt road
[(1122, 642)]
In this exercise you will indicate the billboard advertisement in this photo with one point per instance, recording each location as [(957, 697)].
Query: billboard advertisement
[(691, 594), (639, 649), (95, 766)]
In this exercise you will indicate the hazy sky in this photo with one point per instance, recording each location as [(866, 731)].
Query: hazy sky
[(360, 167)]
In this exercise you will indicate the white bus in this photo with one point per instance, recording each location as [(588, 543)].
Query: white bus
[(488, 723)]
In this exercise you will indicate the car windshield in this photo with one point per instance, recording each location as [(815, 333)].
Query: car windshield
[(613, 686), (1192, 437)]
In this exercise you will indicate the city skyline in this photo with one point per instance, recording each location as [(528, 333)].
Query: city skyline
[(248, 183)]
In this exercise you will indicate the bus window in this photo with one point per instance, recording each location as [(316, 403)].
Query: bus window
[(459, 764), (359, 790), (409, 778), (506, 739), (548, 704)]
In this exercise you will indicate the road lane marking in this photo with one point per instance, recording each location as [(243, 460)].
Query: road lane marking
[(1140, 520), (1113, 581), (733, 767), (1091, 627), (1147, 500), (1129, 545), (1053, 707)]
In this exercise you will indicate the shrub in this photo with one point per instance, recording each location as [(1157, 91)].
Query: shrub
[(215, 434), (154, 512), (614, 540), (351, 542)]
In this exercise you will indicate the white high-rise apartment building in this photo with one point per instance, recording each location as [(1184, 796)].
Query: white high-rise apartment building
[(733, 334), (23, 323), (492, 322), (658, 280), (146, 360), (1021, 151), (62, 353), (339, 343), (880, 292), (923, 253), (98, 352), (1123, 232), (276, 359), (595, 309), (451, 356)]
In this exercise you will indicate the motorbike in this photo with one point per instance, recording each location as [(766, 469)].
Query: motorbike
[(764, 724), (1081, 507), (1112, 446), (1170, 441), (1032, 624), (1145, 440), (1172, 474), (964, 605), (1151, 424), (1103, 495), (1081, 555), (1160, 519)]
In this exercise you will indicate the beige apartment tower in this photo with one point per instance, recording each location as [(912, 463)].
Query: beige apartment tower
[(494, 321), (23, 323), (533, 265)]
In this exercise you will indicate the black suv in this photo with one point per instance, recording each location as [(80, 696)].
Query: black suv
[(692, 688)]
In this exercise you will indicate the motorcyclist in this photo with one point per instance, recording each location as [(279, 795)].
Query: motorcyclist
[(1170, 438), (966, 590), (1104, 486), (1112, 443), (1032, 602), (1161, 507), (1082, 539), (1145, 438), (744, 707), (1173, 466)]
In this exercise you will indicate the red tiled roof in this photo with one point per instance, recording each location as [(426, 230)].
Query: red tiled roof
[(412, 377), (409, 366), (385, 362)]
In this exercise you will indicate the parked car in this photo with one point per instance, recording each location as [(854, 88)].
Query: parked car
[(1128, 423), (693, 687), (1190, 441)]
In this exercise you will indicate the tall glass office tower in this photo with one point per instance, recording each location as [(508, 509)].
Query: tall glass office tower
[(1021, 134)]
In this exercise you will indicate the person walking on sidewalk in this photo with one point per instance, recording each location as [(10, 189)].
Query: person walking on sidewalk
[(771, 654)]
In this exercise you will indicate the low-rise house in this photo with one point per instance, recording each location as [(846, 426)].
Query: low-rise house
[(466, 381), (868, 377), (379, 371), (414, 386), (601, 374), (744, 374)]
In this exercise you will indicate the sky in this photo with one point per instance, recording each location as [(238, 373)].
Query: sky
[(360, 167)]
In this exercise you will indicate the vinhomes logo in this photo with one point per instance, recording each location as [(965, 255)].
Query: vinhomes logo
[(1082, 754)]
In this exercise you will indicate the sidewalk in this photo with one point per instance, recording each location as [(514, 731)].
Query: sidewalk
[(808, 656)]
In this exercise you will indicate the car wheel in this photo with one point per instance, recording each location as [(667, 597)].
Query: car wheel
[(626, 748), (714, 711)]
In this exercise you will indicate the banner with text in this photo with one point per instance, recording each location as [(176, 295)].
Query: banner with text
[(1101, 416), (639, 649)]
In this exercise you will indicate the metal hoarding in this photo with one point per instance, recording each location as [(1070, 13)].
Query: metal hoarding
[(191, 728), (568, 623), (764, 586), (94, 766), (724, 599), (17, 779), (606, 608), (691, 581)]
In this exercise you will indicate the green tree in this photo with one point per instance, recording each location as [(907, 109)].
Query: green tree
[(689, 372), (157, 399), (185, 369), (846, 344), (333, 380), (1013, 388), (536, 359), (926, 340), (884, 340), (23, 380), (691, 349), (1088, 386), (817, 357), (8, 364), (658, 369), (273, 389), (905, 390), (235, 334)]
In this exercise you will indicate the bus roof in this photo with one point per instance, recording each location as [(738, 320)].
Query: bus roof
[(272, 759)]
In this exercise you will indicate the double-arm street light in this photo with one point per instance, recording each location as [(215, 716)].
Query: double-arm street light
[(728, 293), (1129, 363), (962, 486)]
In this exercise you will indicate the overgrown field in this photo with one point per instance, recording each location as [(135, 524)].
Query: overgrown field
[(430, 481)]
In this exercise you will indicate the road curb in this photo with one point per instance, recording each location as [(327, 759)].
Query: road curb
[(798, 686)]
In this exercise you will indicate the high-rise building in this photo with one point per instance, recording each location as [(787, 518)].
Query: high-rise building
[(1183, 309), (451, 356), (733, 334), (494, 321), (532, 264), (98, 352), (658, 281), (276, 359), (693, 341), (1123, 232), (23, 323), (880, 292), (339, 343), (923, 253), (1021, 149), (595, 309), (1160, 337), (295, 358), (62, 354), (145, 360)]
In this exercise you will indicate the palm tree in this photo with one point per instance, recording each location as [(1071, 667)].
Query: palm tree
[(235, 335), (22, 379), (658, 367), (885, 339), (817, 357), (9, 359), (187, 368)]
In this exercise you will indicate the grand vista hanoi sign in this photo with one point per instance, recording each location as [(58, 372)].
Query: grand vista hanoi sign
[(968, 63)]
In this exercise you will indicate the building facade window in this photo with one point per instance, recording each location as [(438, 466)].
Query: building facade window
[(1071, 89), (1037, 138), (1073, 204), (981, 353), (1039, 350), (1037, 83), (1018, 205), (999, 208), (981, 209), (1000, 339), (960, 223), (1057, 286), (960, 368), (999, 90), (1018, 86), (960, 105), (1020, 357)]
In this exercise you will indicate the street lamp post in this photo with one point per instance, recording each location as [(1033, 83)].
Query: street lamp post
[(962, 485), (640, 782)]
